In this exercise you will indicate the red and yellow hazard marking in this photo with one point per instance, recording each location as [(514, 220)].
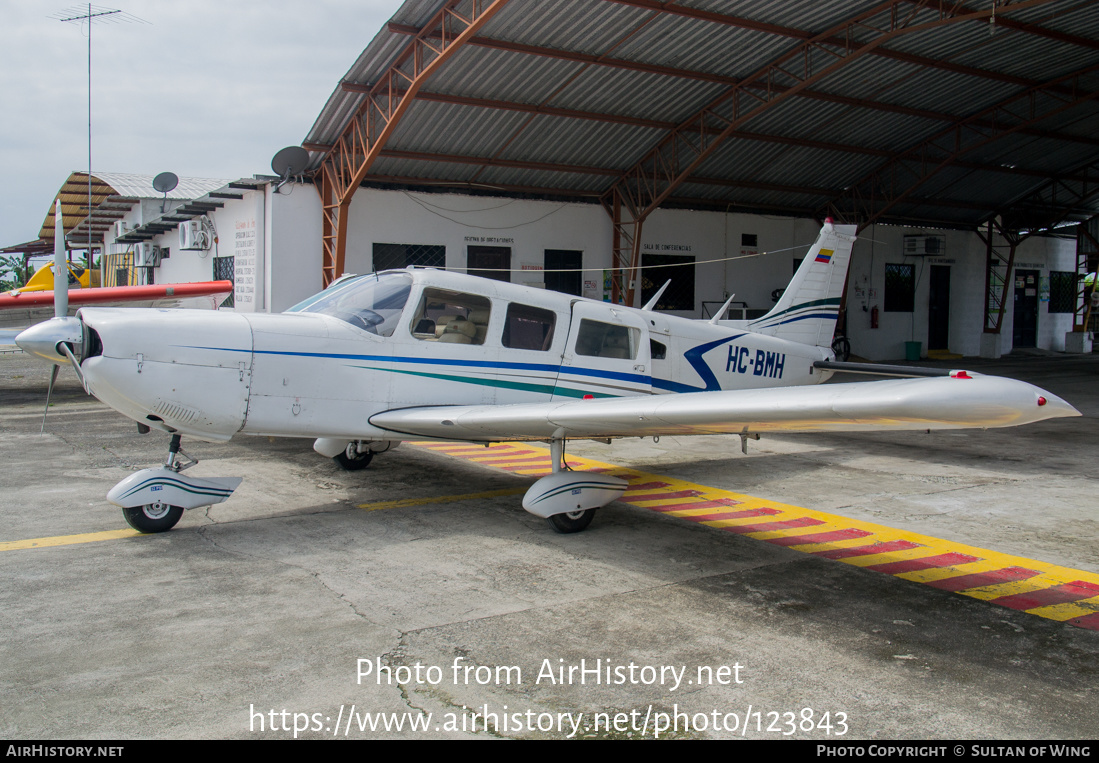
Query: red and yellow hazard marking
[(1046, 590)]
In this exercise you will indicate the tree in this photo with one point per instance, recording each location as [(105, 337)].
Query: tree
[(12, 272)]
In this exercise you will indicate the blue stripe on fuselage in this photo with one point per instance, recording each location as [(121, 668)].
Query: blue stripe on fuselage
[(694, 357), (639, 378)]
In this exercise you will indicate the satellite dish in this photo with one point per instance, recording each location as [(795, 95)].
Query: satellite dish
[(164, 182), (288, 162)]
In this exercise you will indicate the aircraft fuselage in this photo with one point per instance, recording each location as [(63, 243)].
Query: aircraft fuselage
[(326, 372)]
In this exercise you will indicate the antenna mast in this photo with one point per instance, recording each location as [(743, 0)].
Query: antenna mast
[(93, 13)]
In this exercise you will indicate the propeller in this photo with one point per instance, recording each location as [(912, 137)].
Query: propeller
[(54, 340)]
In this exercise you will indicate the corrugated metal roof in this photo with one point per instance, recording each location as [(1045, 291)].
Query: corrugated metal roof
[(141, 186), (110, 187), (626, 72)]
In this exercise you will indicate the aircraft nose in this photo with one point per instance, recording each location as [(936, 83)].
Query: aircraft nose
[(43, 339)]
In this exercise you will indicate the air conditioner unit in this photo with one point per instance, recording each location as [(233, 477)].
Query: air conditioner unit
[(193, 236), (924, 246), (146, 255), (121, 228)]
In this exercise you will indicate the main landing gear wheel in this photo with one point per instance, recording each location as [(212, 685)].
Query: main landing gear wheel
[(352, 460), (572, 521), (153, 517)]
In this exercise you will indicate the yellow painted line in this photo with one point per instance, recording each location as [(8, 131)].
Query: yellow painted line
[(1069, 610), (884, 558), (995, 591), (68, 540), (403, 502), (985, 560)]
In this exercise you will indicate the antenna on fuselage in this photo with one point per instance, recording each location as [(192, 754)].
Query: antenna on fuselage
[(721, 312), (652, 302)]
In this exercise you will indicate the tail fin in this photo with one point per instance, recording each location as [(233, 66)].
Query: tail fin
[(808, 309)]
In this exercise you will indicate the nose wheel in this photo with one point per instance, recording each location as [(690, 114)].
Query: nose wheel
[(572, 521), (152, 517)]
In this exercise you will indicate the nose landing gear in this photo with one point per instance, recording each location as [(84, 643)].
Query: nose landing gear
[(153, 500)]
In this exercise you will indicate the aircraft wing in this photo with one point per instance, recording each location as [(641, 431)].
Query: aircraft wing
[(27, 308), (954, 402)]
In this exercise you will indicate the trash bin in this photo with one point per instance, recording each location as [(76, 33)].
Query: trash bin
[(912, 350)]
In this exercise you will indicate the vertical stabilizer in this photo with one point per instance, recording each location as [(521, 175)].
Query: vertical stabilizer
[(809, 307)]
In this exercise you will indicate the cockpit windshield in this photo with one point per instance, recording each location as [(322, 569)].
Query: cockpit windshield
[(371, 302)]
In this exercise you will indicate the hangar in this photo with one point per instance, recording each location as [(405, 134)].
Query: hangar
[(954, 135), (601, 147), (302, 594)]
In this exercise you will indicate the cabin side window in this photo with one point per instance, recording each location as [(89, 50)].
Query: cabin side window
[(528, 328), (606, 340), (451, 317)]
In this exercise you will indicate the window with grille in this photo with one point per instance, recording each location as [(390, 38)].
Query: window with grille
[(225, 270), (400, 256), (1062, 291), (900, 288)]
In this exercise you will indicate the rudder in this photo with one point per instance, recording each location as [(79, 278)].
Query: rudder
[(808, 309)]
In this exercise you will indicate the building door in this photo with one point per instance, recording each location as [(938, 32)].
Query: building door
[(938, 309), (564, 259), (1026, 309), (489, 262)]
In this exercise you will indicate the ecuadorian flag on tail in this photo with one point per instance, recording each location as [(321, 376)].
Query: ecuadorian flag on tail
[(806, 312)]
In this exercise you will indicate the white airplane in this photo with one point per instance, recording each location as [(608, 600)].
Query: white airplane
[(422, 353)]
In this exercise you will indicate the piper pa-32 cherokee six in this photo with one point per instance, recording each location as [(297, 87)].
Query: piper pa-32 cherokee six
[(429, 354)]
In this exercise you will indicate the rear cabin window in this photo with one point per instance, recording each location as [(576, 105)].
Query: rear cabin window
[(451, 317), (528, 328), (606, 340)]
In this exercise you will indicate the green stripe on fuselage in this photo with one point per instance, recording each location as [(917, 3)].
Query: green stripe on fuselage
[(544, 389)]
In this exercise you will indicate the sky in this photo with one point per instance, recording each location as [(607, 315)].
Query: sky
[(203, 88)]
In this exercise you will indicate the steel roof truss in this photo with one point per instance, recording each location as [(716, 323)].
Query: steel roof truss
[(895, 180), (671, 162), (360, 143)]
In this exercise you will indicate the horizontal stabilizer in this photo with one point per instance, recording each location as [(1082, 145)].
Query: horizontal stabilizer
[(881, 369)]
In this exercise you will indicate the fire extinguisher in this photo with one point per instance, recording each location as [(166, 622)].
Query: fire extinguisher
[(874, 317)]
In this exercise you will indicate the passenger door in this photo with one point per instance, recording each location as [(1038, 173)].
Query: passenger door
[(607, 354)]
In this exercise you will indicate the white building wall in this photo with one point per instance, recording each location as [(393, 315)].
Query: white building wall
[(724, 265), (276, 242), (965, 254), (238, 226), (456, 222), (292, 241)]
